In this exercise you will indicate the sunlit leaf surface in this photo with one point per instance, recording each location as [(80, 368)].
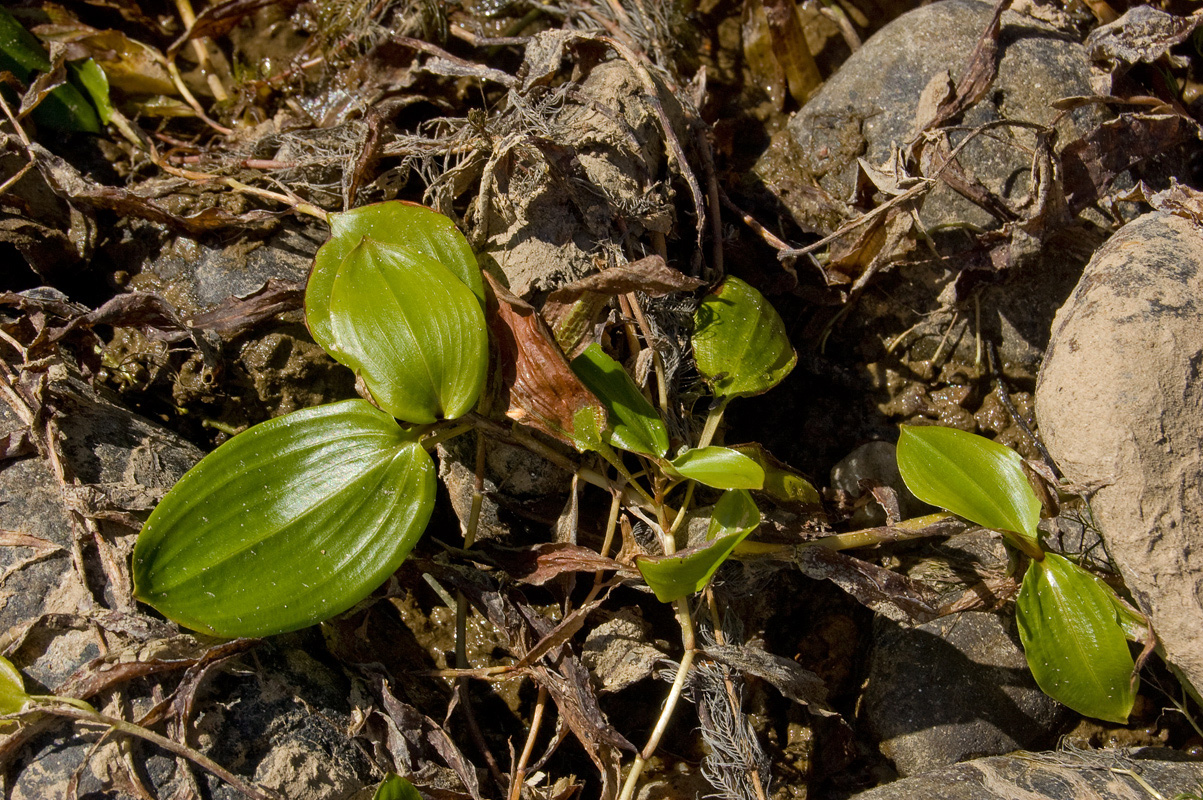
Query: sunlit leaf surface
[(740, 342), (417, 228), (719, 467), (413, 331), (1073, 639), (635, 425), (288, 523), (676, 576), (971, 476)]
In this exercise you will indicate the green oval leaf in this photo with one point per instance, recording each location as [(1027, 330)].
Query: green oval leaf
[(635, 425), (781, 482), (65, 107), (413, 331), (417, 228), (971, 476), (1073, 639), (394, 787), (288, 523), (739, 341), (673, 577), (719, 467)]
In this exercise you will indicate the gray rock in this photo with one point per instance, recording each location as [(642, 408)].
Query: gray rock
[(1070, 775), (957, 687), (870, 106), (1120, 405), (197, 276), (878, 462)]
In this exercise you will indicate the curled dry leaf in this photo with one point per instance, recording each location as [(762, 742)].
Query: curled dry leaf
[(540, 389), (571, 310), (894, 595), (1143, 34)]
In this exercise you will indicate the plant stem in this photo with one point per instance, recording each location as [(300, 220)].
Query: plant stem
[(520, 771), (713, 418), (674, 695), (70, 711)]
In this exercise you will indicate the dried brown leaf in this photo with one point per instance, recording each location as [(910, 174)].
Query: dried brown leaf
[(236, 315), (110, 670), (544, 562), (798, 684), (221, 18), (1143, 34), (539, 388), (878, 588), (1091, 164), (69, 184), (978, 75), (16, 444)]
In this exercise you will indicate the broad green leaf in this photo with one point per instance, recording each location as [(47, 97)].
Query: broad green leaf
[(288, 523), (780, 482), (1073, 639), (634, 422), (417, 228), (64, 108), (12, 689), (739, 341), (673, 577), (412, 330), (394, 787), (719, 467), (971, 476)]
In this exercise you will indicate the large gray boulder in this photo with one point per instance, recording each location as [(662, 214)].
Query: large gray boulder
[(1120, 405)]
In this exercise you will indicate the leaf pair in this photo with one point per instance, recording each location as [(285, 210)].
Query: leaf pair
[(1069, 620), (301, 517)]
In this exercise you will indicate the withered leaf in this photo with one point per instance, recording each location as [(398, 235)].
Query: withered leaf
[(544, 562), (236, 315), (979, 74), (219, 19), (573, 309), (1091, 164), (798, 684), (1143, 34), (69, 184), (880, 589), (539, 388), (15, 444), (107, 671)]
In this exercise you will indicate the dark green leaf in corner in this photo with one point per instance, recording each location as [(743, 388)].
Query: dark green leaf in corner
[(969, 475), (635, 424), (719, 467), (739, 341), (65, 107), (394, 787), (413, 331), (673, 577), (287, 524), (1073, 639), (418, 228)]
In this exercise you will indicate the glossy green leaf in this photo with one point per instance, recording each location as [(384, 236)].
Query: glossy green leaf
[(412, 330), (417, 228), (64, 108), (89, 76), (635, 425), (394, 787), (12, 689), (676, 576), (971, 476), (719, 467), (739, 341), (1073, 639), (288, 523), (781, 483)]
